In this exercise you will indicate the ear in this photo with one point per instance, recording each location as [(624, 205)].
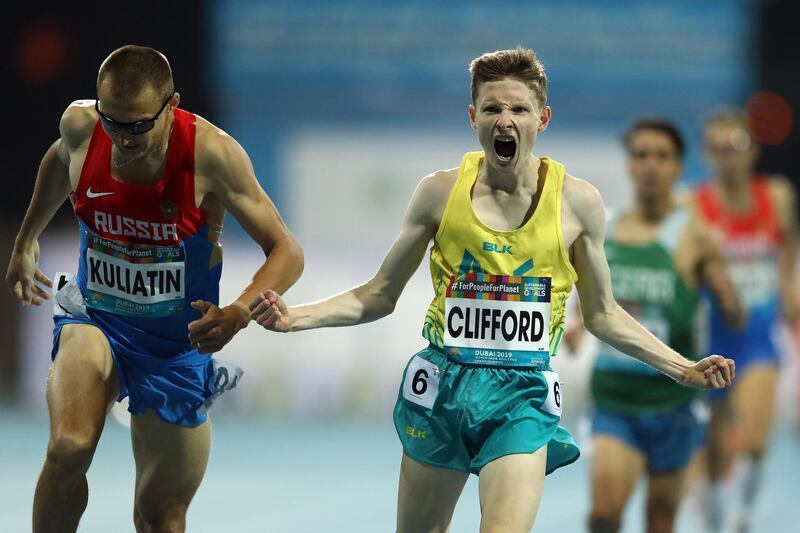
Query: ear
[(471, 114), (544, 118), (175, 100)]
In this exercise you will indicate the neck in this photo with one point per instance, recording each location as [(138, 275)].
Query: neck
[(149, 158), (526, 174), (653, 209), (735, 189)]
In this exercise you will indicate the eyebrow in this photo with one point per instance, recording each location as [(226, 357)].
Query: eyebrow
[(512, 104)]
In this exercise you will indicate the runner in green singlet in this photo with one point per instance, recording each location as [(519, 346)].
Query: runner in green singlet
[(659, 254)]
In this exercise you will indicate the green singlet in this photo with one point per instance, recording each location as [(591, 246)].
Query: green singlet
[(647, 284)]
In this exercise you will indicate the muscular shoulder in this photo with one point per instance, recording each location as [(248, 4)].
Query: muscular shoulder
[(436, 187), (431, 196), (781, 190), (77, 123), (783, 197), (216, 152), (583, 204)]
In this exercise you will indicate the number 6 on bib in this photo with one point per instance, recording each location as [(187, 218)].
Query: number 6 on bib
[(421, 384), (552, 404)]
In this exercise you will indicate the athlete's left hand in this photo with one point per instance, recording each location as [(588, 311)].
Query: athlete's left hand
[(216, 327), (713, 372)]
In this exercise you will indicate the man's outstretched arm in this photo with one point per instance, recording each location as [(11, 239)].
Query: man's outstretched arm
[(606, 320), (377, 297)]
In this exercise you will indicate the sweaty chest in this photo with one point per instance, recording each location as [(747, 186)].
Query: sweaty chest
[(503, 212)]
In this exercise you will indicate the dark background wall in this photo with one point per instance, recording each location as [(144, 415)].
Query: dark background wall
[(779, 61), (51, 56), (53, 53)]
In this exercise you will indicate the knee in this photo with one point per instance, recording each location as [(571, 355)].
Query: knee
[(431, 528), (757, 446), (660, 519), (170, 518), (71, 454), (601, 523), (500, 528), (606, 515)]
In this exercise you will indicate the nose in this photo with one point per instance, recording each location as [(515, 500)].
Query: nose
[(504, 121), (651, 161)]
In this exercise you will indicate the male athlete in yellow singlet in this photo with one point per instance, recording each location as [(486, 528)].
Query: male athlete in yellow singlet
[(512, 232)]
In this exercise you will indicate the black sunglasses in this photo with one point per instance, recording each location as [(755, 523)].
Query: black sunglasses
[(131, 128)]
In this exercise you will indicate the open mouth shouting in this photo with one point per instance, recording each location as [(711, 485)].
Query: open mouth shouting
[(505, 148)]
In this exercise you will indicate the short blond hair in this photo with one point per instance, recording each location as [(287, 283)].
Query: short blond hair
[(519, 64), (726, 116)]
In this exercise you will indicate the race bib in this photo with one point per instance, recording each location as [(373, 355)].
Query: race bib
[(134, 279), (498, 320), (552, 404), (421, 385), (756, 280)]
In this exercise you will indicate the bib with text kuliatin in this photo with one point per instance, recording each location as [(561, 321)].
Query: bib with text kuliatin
[(134, 279), (498, 320)]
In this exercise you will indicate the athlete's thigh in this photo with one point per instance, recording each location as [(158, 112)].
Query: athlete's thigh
[(665, 491), (82, 384), (170, 464), (615, 469), (427, 496), (753, 399), (721, 445), (510, 491)]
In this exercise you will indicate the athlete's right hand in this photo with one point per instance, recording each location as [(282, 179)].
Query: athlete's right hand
[(23, 273), (270, 311), (713, 372)]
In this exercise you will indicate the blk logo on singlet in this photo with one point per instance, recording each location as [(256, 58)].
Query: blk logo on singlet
[(130, 227), (496, 248)]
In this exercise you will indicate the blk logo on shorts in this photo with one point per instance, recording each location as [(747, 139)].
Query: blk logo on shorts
[(415, 433)]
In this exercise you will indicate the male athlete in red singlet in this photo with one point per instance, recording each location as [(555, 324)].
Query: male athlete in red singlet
[(150, 185), (756, 218)]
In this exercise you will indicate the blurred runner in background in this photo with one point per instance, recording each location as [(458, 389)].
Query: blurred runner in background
[(755, 216)]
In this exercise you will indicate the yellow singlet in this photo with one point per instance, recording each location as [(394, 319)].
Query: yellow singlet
[(464, 245)]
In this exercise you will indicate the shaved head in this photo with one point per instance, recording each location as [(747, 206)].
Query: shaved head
[(132, 70)]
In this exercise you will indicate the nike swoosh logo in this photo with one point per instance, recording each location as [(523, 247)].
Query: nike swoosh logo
[(90, 194)]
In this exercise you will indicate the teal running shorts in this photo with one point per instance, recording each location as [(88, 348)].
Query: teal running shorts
[(462, 417)]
